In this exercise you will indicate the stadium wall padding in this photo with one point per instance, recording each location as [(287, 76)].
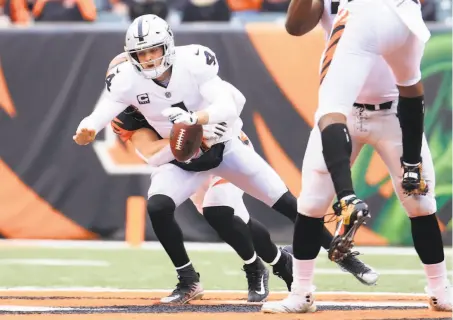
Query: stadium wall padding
[(51, 188)]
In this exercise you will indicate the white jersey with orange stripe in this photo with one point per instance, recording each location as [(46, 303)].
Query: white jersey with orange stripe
[(380, 86), (409, 11)]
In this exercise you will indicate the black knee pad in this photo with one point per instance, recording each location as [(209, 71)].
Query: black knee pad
[(161, 212), (218, 215), (337, 145), (160, 204), (409, 110), (427, 239), (231, 229)]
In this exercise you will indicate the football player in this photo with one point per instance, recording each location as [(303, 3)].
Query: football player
[(373, 120), (221, 204), (169, 85)]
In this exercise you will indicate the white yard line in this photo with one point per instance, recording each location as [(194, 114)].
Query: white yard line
[(152, 245), (32, 309), (12, 308), (367, 304), (56, 262), (114, 290), (370, 304)]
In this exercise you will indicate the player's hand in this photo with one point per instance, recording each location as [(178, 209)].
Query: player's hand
[(214, 131), (178, 115), (84, 136)]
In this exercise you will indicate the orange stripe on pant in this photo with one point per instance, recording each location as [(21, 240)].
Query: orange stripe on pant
[(337, 32), (221, 181)]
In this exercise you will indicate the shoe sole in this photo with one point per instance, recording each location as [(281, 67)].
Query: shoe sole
[(198, 296), (342, 244), (366, 283), (370, 284), (436, 307), (310, 309), (439, 310), (264, 299)]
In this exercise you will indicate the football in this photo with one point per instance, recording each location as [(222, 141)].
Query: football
[(185, 140)]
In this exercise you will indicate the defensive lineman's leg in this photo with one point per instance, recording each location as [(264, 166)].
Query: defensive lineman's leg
[(411, 106), (315, 198), (350, 51), (421, 210), (221, 201), (251, 173)]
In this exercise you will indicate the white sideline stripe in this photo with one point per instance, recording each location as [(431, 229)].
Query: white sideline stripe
[(370, 304), (106, 289), (386, 272), (32, 309), (353, 303), (56, 262), (193, 246)]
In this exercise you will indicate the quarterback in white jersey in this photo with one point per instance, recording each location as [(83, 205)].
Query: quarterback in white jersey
[(372, 121), (180, 84), (219, 201)]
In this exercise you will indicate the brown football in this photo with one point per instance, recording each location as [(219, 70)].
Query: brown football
[(185, 140)]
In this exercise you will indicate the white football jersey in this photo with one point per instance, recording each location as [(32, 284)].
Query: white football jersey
[(380, 85), (193, 65)]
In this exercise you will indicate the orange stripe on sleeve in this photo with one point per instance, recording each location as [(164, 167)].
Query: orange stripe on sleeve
[(337, 32)]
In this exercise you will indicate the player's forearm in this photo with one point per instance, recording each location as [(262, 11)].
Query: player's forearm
[(158, 158), (303, 16), (152, 148), (222, 108), (104, 113), (217, 113), (213, 115)]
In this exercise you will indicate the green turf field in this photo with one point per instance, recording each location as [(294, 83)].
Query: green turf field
[(151, 269)]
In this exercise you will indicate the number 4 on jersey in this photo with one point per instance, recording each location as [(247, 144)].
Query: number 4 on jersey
[(108, 81), (210, 58)]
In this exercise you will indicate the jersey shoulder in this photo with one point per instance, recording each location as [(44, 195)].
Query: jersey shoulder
[(328, 15), (119, 59), (120, 79), (200, 61)]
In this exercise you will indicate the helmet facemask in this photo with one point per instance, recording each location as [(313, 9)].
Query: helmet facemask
[(161, 64)]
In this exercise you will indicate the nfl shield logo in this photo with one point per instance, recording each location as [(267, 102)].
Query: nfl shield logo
[(168, 94)]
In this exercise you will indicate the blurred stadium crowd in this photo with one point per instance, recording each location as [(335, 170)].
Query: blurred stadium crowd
[(31, 12)]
